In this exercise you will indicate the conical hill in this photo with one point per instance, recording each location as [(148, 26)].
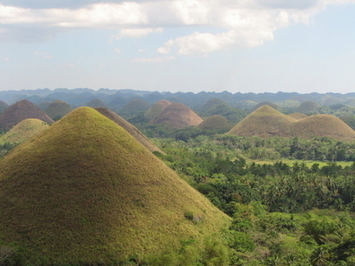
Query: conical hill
[(130, 128), (156, 109), (298, 116), (86, 192), (322, 126), (19, 111), (215, 122), (177, 115), (58, 109), (24, 130), (263, 122)]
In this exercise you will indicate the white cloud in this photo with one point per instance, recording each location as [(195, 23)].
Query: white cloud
[(136, 33), (161, 59), (117, 50), (218, 24)]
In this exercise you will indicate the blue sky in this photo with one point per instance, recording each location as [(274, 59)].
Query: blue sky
[(178, 45)]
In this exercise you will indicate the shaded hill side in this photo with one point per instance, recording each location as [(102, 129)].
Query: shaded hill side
[(3, 106), (58, 109), (215, 122), (134, 107), (130, 128), (322, 126), (156, 109), (20, 111), (86, 192), (267, 122), (263, 122), (24, 130), (96, 103), (177, 115), (307, 107)]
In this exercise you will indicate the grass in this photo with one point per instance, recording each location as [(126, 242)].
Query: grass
[(58, 109), (24, 130), (267, 122), (307, 163), (85, 191), (215, 122)]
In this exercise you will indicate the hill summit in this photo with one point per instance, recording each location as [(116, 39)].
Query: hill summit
[(19, 111), (85, 192), (177, 115)]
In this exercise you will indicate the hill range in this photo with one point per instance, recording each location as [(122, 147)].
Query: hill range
[(19, 111), (85, 192), (266, 122)]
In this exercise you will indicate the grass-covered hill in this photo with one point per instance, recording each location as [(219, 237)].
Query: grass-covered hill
[(24, 130), (96, 103), (263, 122), (215, 122), (307, 107), (156, 109), (322, 126), (177, 115), (257, 106), (85, 192), (130, 128), (134, 107), (267, 122), (19, 111), (298, 116), (58, 109)]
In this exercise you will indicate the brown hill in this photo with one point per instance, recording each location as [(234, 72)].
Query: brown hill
[(298, 116), (308, 107), (130, 128), (156, 109), (19, 111), (215, 122), (177, 115), (266, 122), (263, 122), (273, 105), (85, 192), (322, 126)]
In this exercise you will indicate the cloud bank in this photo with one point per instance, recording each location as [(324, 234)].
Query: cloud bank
[(217, 24)]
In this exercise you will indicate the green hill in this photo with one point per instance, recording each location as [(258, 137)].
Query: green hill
[(130, 129), (85, 192), (263, 122), (24, 130), (96, 103), (215, 122), (58, 109), (308, 107)]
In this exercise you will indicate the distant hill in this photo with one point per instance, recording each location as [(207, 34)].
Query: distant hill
[(263, 122), (273, 105), (58, 109), (322, 126), (156, 109), (134, 107), (96, 103), (130, 128), (215, 122), (3, 106), (307, 107), (215, 106), (177, 115), (266, 122), (24, 130), (19, 111), (85, 192), (246, 104), (298, 116)]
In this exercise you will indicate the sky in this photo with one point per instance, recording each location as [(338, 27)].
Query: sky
[(179, 45)]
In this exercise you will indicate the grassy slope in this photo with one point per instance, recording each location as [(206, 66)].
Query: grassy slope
[(130, 128), (263, 122), (24, 130), (215, 122), (58, 109), (86, 190)]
